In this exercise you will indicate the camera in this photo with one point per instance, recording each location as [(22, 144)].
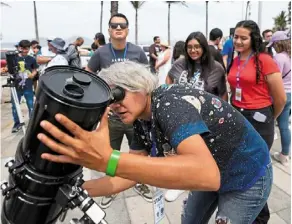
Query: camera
[(12, 62)]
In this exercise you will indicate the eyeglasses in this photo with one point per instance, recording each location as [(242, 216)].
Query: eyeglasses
[(116, 25), (195, 47)]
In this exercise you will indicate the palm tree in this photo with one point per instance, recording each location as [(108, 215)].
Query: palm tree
[(280, 22), (247, 8), (101, 16), (114, 7), (169, 5), (36, 21), (137, 5), (207, 19)]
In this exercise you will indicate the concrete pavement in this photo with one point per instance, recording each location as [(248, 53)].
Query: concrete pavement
[(130, 208)]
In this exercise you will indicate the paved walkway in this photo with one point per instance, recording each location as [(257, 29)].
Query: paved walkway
[(129, 208)]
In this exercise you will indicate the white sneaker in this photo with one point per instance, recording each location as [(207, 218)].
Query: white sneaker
[(107, 201), (172, 195), (144, 191), (284, 160)]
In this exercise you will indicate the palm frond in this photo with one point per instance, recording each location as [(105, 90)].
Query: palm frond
[(4, 4), (177, 2), (137, 4)]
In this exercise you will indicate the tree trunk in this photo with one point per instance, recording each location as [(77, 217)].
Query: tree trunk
[(207, 19), (246, 12), (260, 9), (168, 23), (36, 22), (101, 16), (114, 7), (136, 27)]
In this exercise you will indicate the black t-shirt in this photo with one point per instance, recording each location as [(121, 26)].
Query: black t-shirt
[(215, 83), (30, 64), (179, 112), (154, 49)]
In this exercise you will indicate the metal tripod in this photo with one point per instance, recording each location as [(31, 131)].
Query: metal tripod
[(11, 84)]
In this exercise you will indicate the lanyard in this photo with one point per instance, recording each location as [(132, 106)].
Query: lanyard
[(153, 141), (152, 136), (239, 68), (114, 54)]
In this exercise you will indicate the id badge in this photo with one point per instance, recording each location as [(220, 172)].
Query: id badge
[(158, 205), (238, 94)]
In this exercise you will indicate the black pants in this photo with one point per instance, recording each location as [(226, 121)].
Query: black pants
[(117, 130), (266, 130)]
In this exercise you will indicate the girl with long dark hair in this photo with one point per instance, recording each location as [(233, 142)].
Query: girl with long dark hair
[(198, 68), (256, 85)]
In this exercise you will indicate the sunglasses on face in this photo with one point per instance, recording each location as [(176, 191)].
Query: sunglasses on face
[(115, 25)]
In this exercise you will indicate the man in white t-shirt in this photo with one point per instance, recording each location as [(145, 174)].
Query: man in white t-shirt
[(57, 47)]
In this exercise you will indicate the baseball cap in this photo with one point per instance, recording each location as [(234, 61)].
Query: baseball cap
[(278, 36)]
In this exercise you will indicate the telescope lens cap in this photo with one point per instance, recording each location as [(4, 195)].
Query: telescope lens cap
[(82, 79), (75, 87)]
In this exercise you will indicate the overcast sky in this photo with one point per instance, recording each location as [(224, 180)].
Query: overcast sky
[(82, 18)]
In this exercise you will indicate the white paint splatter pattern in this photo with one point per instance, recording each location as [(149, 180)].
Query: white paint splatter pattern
[(194, 101), (225, 125)]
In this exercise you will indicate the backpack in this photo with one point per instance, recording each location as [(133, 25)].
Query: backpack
[(66, 50)]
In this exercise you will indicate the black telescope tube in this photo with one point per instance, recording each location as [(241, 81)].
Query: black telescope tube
[(34, 182)]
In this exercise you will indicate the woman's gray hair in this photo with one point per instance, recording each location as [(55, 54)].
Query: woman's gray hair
[(131, 76)]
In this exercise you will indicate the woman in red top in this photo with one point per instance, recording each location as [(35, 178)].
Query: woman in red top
[(256, 85)]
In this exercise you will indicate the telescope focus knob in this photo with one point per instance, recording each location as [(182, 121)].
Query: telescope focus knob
[(4, 187), (10, 163)]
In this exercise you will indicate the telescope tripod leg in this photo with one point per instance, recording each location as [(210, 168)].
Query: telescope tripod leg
[(18, 109)]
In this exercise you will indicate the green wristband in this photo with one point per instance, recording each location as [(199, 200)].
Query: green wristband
[(113, 163)]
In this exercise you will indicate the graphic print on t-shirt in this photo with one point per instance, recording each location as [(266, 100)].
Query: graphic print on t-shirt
[(114, 60), (195, 81)]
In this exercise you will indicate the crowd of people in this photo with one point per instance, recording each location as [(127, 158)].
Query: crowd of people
[(209, 110)]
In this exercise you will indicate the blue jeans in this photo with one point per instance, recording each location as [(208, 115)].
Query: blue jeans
[(283, 122), (28, 95), (240, 207)]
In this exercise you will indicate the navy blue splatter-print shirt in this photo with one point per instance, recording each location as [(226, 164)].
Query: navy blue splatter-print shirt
[(179, 112)]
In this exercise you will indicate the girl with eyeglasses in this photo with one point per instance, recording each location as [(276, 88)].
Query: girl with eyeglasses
[(199, 70)]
